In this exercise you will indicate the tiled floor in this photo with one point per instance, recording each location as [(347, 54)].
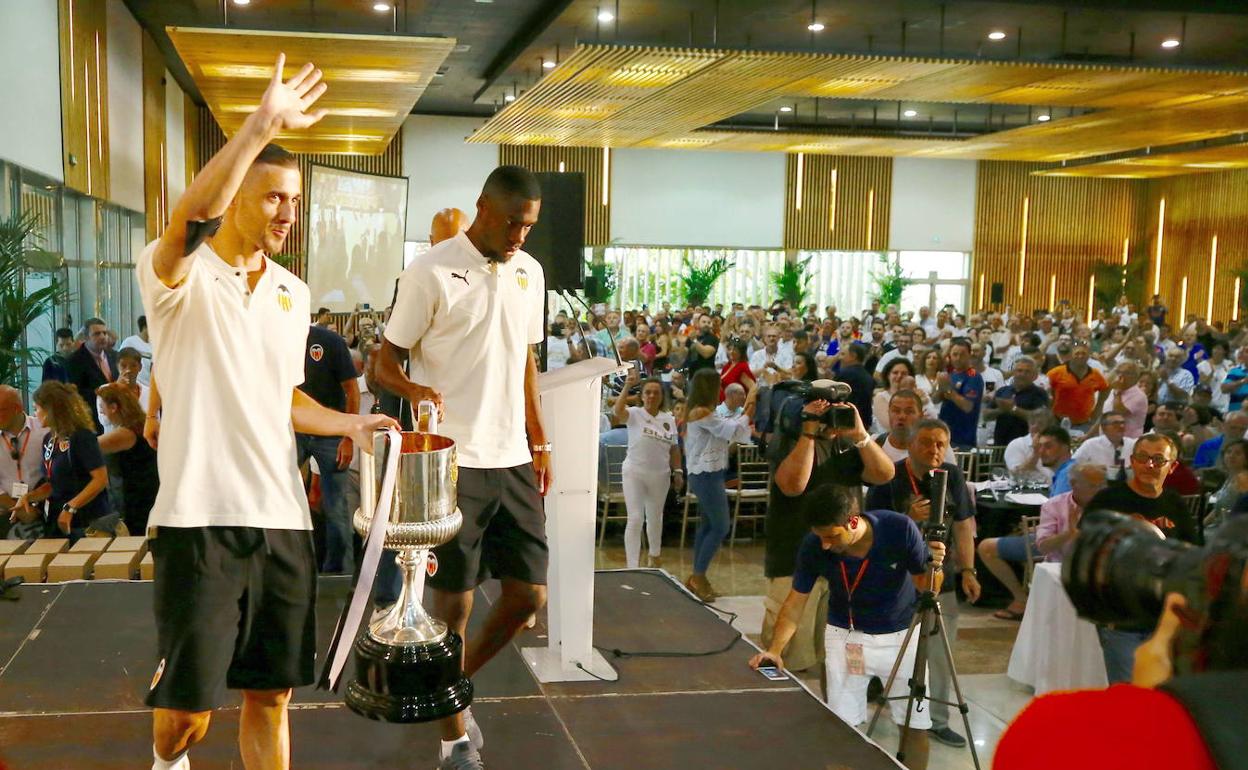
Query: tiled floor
[(992, 698)]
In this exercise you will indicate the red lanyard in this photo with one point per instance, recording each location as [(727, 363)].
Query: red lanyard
[(849, 590), (914, 483), (21, 454)]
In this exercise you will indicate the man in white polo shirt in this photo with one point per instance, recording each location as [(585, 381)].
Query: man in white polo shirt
[(235, 587), (469, 311)]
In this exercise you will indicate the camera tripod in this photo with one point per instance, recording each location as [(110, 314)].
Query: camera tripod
[(930, 622)]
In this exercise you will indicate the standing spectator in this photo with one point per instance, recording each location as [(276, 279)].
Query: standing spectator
[(1175, 383), (774, 361), (1059, 517), (861, 383), (92, 365), (738, 369), (926, 381), (1076, 387), (1212, 373), (129, 372), (1142, 495), (901, 349), (708, 437), (702, 346), (651, 467), (646, 347), (74, 482), (1014, 403), (329, 378), (910, 492), (56, 366), (1235, 386), (1111, 449), (1233, 429), (885, 551), (1156, 312), (143, 345), (21, 465), (135, 458), (1126, 398), (898, 374), (959, 391)]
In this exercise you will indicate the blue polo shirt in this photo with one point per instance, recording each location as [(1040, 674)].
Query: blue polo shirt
[(1237, 374), (884, 599), (1207, 453), (964, 425), (1061, 479)]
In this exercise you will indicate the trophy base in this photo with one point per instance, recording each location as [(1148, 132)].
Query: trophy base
[(409, 683)]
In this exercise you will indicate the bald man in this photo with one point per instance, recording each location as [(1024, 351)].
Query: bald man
[(447, 223)]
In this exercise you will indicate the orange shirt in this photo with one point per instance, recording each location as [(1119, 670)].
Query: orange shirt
[(1074, 397)]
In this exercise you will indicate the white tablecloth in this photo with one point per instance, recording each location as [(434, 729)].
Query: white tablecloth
[(1055, 649)]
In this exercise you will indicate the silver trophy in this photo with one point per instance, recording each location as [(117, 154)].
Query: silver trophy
[(409, 664)]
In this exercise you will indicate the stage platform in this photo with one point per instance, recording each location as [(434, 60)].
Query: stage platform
[(76, 660)]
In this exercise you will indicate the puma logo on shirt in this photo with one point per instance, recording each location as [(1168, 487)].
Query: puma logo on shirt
[(463, 277)]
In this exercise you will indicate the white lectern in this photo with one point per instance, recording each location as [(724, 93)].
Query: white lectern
[(571, 404)]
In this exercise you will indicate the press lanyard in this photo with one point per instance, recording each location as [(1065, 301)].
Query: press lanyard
[(914, 483), (18, 460), (849, 590)]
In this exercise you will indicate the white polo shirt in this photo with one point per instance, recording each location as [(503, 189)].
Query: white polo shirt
[(230, 360), (469, 328)]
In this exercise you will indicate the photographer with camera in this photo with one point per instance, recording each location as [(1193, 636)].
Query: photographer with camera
[(1190, 676), (875, 563), (816, 442), (910, 492)]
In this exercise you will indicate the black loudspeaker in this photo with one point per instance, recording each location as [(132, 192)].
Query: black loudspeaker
[(558, 239), (998, 293)]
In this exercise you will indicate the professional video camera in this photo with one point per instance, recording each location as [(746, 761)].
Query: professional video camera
[(789, 400), (1121, 569)]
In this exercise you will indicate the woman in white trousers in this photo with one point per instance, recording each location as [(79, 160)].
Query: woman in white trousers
[(651, 465)]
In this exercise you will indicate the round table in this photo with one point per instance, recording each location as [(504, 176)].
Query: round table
[(1055, 648), (997, 518)]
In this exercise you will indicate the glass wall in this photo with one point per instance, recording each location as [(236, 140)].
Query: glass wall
[(939, 278), (99, 243)]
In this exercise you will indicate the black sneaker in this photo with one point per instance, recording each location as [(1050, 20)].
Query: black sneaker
[(947, 736)]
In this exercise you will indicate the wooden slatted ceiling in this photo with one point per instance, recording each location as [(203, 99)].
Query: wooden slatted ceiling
[(612, 96), (837, 202), (1070, 226), (583, 160), (374, 80), (208, 139), (1162, 164)]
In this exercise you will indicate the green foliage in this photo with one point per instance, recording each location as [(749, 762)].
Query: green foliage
[(700, 279), (1114, 280), (600, 284), (889, 280), (792, 282), (19, 309)]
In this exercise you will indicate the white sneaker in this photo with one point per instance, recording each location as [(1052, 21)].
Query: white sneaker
[(463, 757), (473, 729), (183, 762)]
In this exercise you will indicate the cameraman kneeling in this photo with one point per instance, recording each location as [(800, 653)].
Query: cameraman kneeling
[(875, 563)]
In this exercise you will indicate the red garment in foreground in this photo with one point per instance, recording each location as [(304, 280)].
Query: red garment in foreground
[(1121, 728)]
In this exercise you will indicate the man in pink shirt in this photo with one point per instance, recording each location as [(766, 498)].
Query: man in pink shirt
[(1127, 398), (1059, 516)]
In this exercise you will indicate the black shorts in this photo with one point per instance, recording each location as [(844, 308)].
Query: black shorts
[(235, 607), (504, 531)]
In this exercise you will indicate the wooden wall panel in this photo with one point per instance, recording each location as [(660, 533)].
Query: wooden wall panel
[(837, 202), (208, 139), (155, 175), (593, 162), (84, 95), (1069, 226), (1199, 207)]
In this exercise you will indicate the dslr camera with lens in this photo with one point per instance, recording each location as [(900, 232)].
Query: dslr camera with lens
[(1121, 568)]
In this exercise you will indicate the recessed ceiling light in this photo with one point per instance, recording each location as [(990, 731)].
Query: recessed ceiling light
[(381, 7), (996, 35), (815, 27), (786, 108), (548, 64), (242, 2), (605, 16), (1044, 118), (1170, 43), (509, 97), (910, 113)]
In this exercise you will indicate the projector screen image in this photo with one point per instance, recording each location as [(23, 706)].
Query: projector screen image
[(356, 225)]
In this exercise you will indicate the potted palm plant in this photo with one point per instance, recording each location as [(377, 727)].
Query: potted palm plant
[(792, 282), (698, 280), (890, 281), (20, 308)]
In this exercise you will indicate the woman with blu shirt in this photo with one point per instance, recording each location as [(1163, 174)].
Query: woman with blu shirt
[(651, 466), (75, 481), (708, 439)]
